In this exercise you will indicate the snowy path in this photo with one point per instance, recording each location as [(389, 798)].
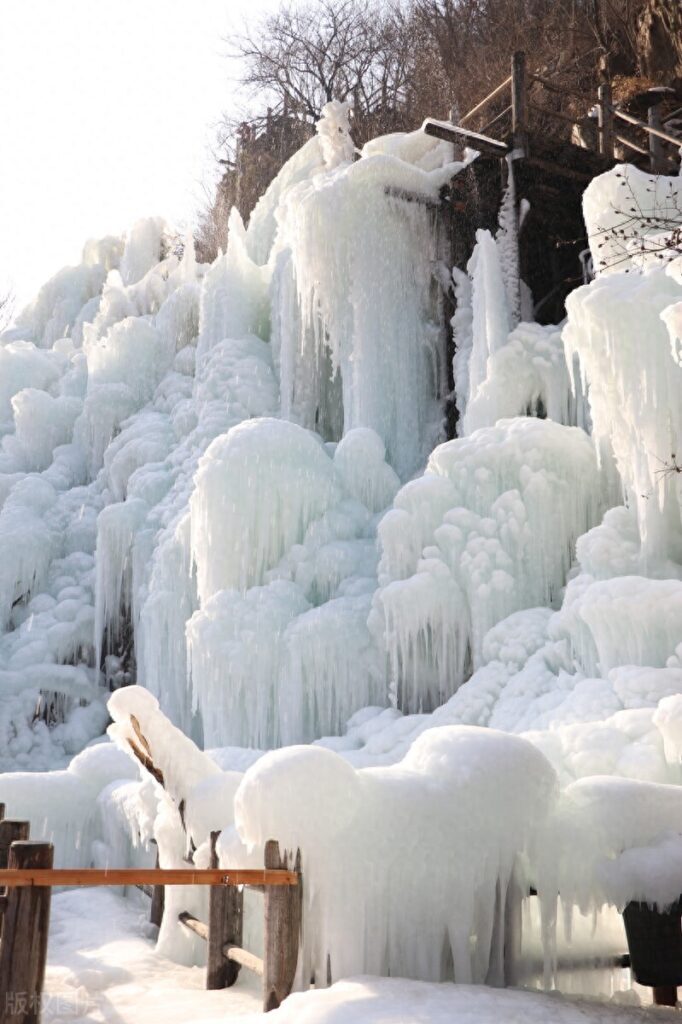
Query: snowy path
[(102, 968)]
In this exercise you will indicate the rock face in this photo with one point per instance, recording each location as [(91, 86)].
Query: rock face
[(659, 40)]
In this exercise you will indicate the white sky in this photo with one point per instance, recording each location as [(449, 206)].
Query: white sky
[(107, 110)]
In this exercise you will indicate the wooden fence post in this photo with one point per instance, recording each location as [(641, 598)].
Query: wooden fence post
[(283, 905), (158, 900), (605, 120), (225, 924), (11, 832), (23, 950), (656, 155), (519, 92)]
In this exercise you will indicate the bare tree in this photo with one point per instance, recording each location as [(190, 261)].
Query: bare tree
[(307, 54)]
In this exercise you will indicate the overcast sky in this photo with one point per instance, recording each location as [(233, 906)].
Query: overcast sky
[(107, 110)]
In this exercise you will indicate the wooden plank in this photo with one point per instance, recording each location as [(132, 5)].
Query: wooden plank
[(282, 931), (242, 958), (225, 928), (23, 950), (453, 133), (194, 924), (484, 102), (519, 100), (147, 876)]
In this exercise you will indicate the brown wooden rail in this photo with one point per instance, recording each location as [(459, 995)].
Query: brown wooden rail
[(15, 879), (519, 82), (27, 875)]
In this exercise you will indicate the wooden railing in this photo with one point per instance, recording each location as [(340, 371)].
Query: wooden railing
[(27, 875), (519, 82)]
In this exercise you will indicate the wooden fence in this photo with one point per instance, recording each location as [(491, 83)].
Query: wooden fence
[(653, 138), (27, 875)]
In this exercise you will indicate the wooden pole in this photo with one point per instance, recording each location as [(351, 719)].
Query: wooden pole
[(23, 950), (2, 810), (656, 155), (282, 931), (225, 924), (605, 120), (519, 104)]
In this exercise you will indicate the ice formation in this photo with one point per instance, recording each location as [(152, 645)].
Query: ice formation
[(231, 485)]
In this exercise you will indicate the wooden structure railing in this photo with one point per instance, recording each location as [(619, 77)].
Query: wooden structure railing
[(27, 877), (519, 83)]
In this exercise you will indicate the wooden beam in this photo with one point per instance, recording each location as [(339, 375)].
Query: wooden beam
[(484, 102), (194, 924), (242, 958), (35, 876), (453, 133), (23, 950)]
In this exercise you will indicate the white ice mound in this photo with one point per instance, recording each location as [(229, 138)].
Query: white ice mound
[(373, 901), (257, 489), (489, 529)]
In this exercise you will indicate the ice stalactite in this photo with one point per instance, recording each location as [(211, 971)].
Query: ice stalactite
[(634, 392), (380, 351)]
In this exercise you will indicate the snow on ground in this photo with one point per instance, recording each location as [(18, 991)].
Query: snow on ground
[(367, 1000), (103, 969)]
